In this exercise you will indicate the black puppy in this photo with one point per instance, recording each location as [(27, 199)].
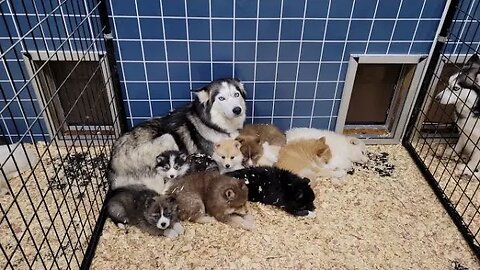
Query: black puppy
[(274, 186)]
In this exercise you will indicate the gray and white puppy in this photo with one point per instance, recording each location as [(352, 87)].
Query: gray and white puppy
[(144, 208)]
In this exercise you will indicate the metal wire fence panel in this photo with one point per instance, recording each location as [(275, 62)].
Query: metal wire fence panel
[(444, 132), (59, 116)]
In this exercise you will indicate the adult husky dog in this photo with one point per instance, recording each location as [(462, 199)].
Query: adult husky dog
[(462, 91), (217, 113)]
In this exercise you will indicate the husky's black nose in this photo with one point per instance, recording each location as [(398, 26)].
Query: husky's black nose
[(227, 165), (172, 176), (237, 110), (163, 224)]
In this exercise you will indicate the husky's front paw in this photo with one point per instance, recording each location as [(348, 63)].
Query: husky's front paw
[(170, 233), (178, 228)]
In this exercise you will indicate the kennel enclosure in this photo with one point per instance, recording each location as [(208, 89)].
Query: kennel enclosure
[(76, 74)]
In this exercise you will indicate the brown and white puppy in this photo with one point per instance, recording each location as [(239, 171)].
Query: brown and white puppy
[(205, 196), (306, 158), (228, 156), (261, 144)]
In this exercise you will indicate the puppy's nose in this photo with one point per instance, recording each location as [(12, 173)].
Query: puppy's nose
[(172, 176), (227, 165), (237, 110), (163, 224)]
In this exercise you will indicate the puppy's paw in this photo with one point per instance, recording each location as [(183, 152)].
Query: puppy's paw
[(311, 214), (238, 221), (339, 173), (170, 233), (122, 226), (178, 228), (249, 217), (205, 219)]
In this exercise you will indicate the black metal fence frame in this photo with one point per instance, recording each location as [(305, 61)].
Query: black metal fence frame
[(432, 69)]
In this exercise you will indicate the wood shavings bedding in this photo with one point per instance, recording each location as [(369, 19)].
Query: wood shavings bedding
[(74, 187), (384, 217)]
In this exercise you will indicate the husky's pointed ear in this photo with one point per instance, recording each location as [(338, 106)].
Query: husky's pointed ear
[(240, 87), (468, 74), (229, 194), (202, 94)]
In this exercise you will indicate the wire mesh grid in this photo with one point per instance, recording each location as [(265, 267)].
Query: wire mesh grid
[(58, 117), (443, 134)]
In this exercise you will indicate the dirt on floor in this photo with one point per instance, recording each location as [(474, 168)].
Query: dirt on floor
[(385, 216)]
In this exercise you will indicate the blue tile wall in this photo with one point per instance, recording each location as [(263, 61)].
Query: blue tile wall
[(292, 60)]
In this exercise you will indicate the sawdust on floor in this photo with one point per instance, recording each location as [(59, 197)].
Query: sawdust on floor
[(381, 218), (48, 219)]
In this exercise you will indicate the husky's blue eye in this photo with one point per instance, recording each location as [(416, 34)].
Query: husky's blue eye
[(236, 95), (221, 98)]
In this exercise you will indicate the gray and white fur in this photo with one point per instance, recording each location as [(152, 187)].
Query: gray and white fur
[(170, 166), (217, 113), (150, 212)]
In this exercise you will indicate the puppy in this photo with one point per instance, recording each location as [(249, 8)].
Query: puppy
[(345, 150), (274, 186), (146, 209), (228, 156), (261, 144), (307, 158), (201, 162), (205, 196), (170, 165)]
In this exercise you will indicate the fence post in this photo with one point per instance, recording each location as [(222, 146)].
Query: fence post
[(112, 64)]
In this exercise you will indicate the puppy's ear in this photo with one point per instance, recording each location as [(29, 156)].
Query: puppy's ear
[(321, 140), (306, 180), (171, 199), (230, 194), (322, 151), (160, 159), (237, 144), (202, 94), (149, 202), (240, 139)]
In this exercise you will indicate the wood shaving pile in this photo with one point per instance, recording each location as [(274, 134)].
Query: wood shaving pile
[(72, 182), (385, 216)]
